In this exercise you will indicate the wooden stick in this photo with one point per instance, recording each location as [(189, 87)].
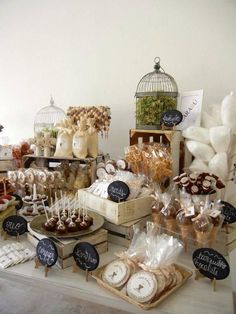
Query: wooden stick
[(226, 229), (4, 186), (18, 237), (74, 267), (214, 284), (37, 263), (46, 269), (87, 273)]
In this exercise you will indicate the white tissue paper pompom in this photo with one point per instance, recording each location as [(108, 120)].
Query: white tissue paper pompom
[(220, 137), (201, 151), (198, 166), (197, 133), (228, 111), (208, 121), (219, 165)]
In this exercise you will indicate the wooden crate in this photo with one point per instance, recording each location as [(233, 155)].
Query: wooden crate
[(126, 230), (7, 164), (117, 213), (11, 210), (68, 262), (179, 153), (65, 246)]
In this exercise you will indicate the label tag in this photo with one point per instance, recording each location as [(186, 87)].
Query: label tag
[(190, 211)]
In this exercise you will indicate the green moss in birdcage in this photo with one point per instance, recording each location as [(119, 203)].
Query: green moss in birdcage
[(149, 109)]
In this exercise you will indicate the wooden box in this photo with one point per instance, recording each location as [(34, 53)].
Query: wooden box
[(68, 261), (123, 234), (11, 210), (65, 246), (117, 213), (179, 153)]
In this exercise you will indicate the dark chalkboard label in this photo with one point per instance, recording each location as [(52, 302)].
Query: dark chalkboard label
[(14, 225), (47, 252), (229, 211), (211, 263), (118, 191), (86, 256), (171, 118)]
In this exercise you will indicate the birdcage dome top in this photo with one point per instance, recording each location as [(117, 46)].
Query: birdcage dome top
[(157, 83), (47, 116)]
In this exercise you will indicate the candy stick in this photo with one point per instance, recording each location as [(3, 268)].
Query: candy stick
[(45, 210), (34, 192)]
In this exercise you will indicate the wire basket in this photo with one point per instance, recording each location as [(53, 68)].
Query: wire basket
[(156, 92)]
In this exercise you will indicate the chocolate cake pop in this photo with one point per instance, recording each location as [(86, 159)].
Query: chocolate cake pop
[(61, 229), (72, 227)]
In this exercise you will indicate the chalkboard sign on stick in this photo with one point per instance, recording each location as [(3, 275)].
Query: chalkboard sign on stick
[(14, 225), (171, 118), (46, 252), (229, 211), (118, 191), (86, 257), (211, 263)]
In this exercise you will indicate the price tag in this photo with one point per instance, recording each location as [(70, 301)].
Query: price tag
[(229, 211), (211, 263), (86, 256), (15, 225), (190, 211), (171, 118), (47, 252), (118, 191)]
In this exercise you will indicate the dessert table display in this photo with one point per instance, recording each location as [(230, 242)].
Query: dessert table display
[(147, 231)]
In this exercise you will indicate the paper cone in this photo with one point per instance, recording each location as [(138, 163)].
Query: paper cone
[(171, 226), (202, 238), (212, 235), (157, 218), (186, 234)]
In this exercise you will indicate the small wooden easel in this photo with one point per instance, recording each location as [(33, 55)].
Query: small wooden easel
[(4, 234), (75, 269), (198, 275), (38, 264)]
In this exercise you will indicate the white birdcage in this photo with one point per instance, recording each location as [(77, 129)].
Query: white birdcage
[(47, 117)]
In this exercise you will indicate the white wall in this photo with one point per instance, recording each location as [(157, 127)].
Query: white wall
[(95, 52)]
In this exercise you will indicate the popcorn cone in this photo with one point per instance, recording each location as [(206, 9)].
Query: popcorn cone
[(202, 238), (186, 233), (171, 226), (212, 235), (157, 218)]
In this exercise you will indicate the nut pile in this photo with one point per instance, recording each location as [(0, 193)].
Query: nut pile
[(101, 114)]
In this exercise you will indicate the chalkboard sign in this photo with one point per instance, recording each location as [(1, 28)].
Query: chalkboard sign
[(210, 263), (229, 211), (118, 191), (14, 225), (47, 252), (171, 118), (86, 256)]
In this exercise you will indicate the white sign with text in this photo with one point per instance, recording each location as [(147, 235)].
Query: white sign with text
[(190, 104)]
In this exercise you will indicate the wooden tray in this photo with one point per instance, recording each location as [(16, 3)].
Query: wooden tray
[(186, 273), (36, 225)]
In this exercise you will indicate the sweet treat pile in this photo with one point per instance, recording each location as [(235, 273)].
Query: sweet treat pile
[(66, 220), (146, 271), (5, 201), (101, 114), (15, 253), (151, 159), (199, 184), (185, 215)]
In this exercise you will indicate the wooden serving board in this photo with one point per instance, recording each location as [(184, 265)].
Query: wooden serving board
[(186, 273)]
